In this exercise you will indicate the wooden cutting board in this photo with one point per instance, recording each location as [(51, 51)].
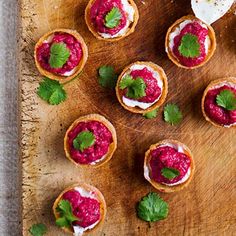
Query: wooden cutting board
[(207, 206)]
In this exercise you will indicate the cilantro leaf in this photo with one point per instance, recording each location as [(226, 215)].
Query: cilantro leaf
[(113, 17), (169, 173), (59, 54), (152, 208), (172, 114), (151, 114), (107, 76), (226, 99), (135, 87), (66, 215), (84, 140), (189, 46), (38, 229), (51, 91)]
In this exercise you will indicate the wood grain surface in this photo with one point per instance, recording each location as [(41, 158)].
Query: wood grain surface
[(207, 206)]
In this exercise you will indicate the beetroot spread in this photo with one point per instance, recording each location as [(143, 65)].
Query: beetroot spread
[(103, 139), (76, 53), (153, 91), (196, 29), (217, 113), (168, 157), (98, 12), (85, 208)]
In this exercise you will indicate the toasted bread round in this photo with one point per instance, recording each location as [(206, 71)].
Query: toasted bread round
[(211, 49), (157, 103), (98, 36), (209, 87), (100, 198), (104, 121), (78, 68), (163, 187)]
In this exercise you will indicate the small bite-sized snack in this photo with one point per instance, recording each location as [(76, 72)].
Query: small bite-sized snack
[(219, 102), (169, 166), (90, 141), (142, 87), (61, 54), (111, 20), (80, 209), (190, 42)]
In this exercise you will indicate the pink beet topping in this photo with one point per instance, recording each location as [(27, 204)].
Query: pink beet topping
[(76, 53), (100, 148), (153, 91), (217, 113), (166, 156), (196, 29), (85, 208), (98, 12)]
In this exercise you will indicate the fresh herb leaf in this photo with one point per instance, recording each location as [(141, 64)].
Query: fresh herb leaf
[(189, 46), (172, 114), (59, 54), (151, 114), (84, 140), (226, 99), (112, 19), (38, 229), (152, 208), (169, 173), (107, 76), (135, 87), (51, 91), (66, 215)]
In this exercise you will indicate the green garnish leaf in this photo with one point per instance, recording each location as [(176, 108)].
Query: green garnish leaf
[(84, 140), (135, 87), (152, 208), (226, 99), (59, 54), (189, 46), (172, 114), (169, 173), (38, 229), (66, 215), (151, 114), (51, 91), (113, 18), (107, 76)]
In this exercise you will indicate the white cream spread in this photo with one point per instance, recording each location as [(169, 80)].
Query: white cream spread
[(95, 162), (78, 230), (210, 11), (67, 73), (222, 84), (185, 177), (177, 31), (128, 8), (142, 105)]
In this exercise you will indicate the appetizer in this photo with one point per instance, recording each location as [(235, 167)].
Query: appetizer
[(80, 209), (190, 43), (111, 20), (61, 54), (142, 87), (90, 141), (168, 166), (219, 102)]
